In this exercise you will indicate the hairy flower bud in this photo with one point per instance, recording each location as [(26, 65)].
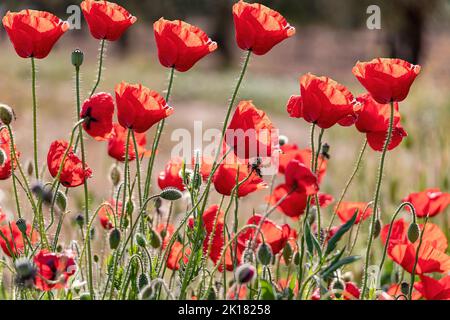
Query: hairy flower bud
[(287, 253), (61, 200), (85, 296), (21, 225), (77, 58), (140, 240), (377, 228), (115, 174), (404, 288), (245, 273), (29, 167), (413, 232), (297, 258), (114, 239), (42, 192), (6, 114), (264, 254), (25, 272), (142, 281), (171, 194), (79, 220), (155, 239)]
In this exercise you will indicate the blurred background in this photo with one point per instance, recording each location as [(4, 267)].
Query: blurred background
[(331, 37)]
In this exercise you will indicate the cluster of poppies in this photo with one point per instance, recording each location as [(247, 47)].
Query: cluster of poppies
[(236, 171)]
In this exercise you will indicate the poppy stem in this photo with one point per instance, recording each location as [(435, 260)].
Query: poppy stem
[(376, 199), (159, 131), (13, 160), (349, 181), (85, 184), (100, 66), (33, 90), (138, 173), (416, 260)]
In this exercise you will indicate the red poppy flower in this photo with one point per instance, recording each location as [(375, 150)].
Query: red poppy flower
[(170, 176), (386, 79), (98, 113), (274, 235), (259, 28), (106, 20), (432, 289), (373, 119), (15, 243), (181, 45), (395, 291), (176, 254), (54, 269), (72, 173), (139, 108), (250, 132), (300, 178), (225, 178), (5, 145), (429, 202), (2, 216), (33, 33), (292, 152), (346, 211), (432, 257), (117, 142), (323, 101), (294, 204), (107, 216)]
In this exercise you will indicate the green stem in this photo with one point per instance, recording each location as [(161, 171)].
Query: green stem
[(13, 161), (416, 261), (33, 89), (138, 173), (159, 131), (376, 198), (100, 66)]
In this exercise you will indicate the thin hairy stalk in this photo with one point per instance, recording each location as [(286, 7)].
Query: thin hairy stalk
[(349, 181), (138, 174), (159, 131), (35, 134), (12, 155), (376, 199), (416, 260), (100, 66)]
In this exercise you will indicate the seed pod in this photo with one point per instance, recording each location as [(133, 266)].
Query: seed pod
[(77, 58), (85, 296), (413, 232), (264, 254), (140, 240), (171, 194), (245, 273), (61, 200), (377, 228), (155, 239), (3, 157), (287, 253), (146, 293), (115, 174), (6, 114), (142, 281), (114, 239), (21, 225)]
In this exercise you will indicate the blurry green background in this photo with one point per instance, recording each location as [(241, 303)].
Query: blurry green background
[(331, 36)]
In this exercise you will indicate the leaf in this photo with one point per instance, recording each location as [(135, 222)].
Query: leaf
[(267, 290), (334, 266), (340, 233), (311, 241)]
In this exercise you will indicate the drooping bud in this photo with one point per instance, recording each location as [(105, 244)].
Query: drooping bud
[(61, 200), (413, 232), (85, 296), (155, 239), (171, 194), (264, 254), (114, 239), (77, 58), (42, 192), (404, 288), (282, 140), (142, 281), (211, 294), (79, 220), (130, 207), (3, 157), (312, 215), (158, 203), (245, 273), (115, 174), (6, 114), (297, 258), (21, 225), (377, 228), (140, 240), (287, 253)]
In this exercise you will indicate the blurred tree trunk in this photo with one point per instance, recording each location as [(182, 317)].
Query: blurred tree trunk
[(222, 21)]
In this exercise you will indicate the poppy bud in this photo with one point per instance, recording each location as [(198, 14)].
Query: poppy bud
[(115, 174), (30, 168), (59, 248), (96, 258), (140, 240), (25, 272), (130, 207), (41, 192), (21, 225), (114, 239), (146, 293), (287, 253), (282, 140), (3, 157), (377, 228), (211, 294), (171, 194), (404, 288), (6, 114), (264, 254), (61, 200), (85, 296), (155, 239), (297, 258), (245, 273), (158, 203), (79, 220), (312, 215), (413, 232), (142, 281), (77, 58)]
